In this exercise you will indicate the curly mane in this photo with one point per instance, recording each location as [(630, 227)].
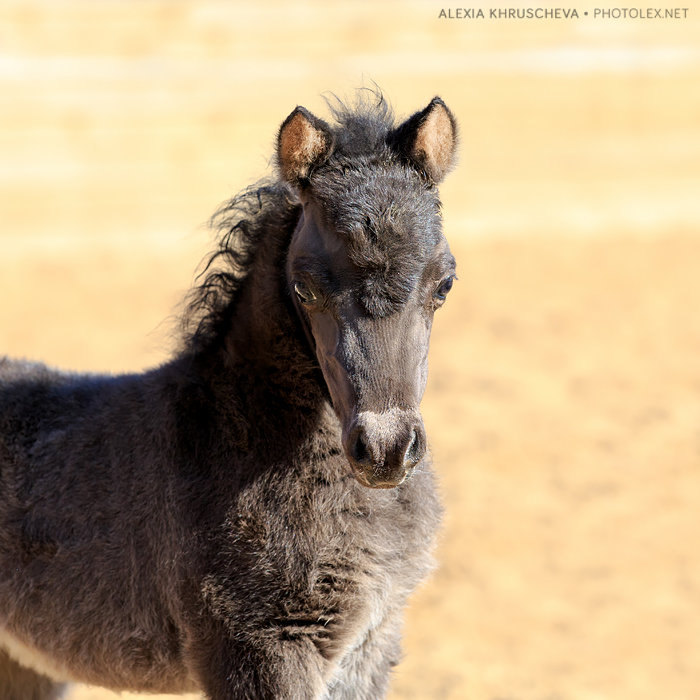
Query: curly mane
[(240, 223)]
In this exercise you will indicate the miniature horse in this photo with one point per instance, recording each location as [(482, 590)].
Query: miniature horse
[(248, 519)]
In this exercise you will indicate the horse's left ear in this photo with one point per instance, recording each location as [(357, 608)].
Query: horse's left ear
[(429, 140), (304, 141)]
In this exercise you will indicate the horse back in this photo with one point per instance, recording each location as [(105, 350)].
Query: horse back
[(79, 572)]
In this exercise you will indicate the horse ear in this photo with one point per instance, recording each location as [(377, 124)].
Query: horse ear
[(429, 140), (304, 141)]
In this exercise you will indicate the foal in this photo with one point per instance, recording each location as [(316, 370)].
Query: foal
[(248, 519)]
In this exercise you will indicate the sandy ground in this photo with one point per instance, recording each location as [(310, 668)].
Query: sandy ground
[(563, 405)]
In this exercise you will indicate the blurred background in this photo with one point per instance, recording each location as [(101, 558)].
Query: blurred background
[(563, 405)]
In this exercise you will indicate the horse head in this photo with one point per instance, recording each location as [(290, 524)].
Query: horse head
[(367, 267)]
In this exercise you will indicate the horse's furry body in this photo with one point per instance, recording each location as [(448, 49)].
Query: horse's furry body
[(197, 526)]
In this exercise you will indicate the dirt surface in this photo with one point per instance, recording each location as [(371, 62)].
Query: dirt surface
[(563, 406)]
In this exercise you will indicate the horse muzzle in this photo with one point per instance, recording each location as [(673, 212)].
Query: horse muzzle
[(384, 448)]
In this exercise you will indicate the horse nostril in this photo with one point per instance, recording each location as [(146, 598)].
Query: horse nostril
[(415, 450), (383, 454), (359, 450)]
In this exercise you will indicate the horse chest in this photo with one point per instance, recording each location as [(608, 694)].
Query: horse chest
[(326, 572)]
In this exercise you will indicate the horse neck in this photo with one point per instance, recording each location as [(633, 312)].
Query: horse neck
[(266, 339)]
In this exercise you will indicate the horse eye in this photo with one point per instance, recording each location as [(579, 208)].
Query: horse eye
[(444, 288), (306, 296)]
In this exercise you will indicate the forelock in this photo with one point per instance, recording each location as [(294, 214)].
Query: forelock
[(389, 220), (363, 126)]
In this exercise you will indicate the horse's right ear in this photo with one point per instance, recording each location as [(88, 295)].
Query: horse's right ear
[(304, 142)]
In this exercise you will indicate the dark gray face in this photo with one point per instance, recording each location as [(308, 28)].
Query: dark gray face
[(371, 333)]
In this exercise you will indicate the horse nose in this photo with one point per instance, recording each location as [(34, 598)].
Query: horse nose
[(359, 450), (383, 450), (416, 447)]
